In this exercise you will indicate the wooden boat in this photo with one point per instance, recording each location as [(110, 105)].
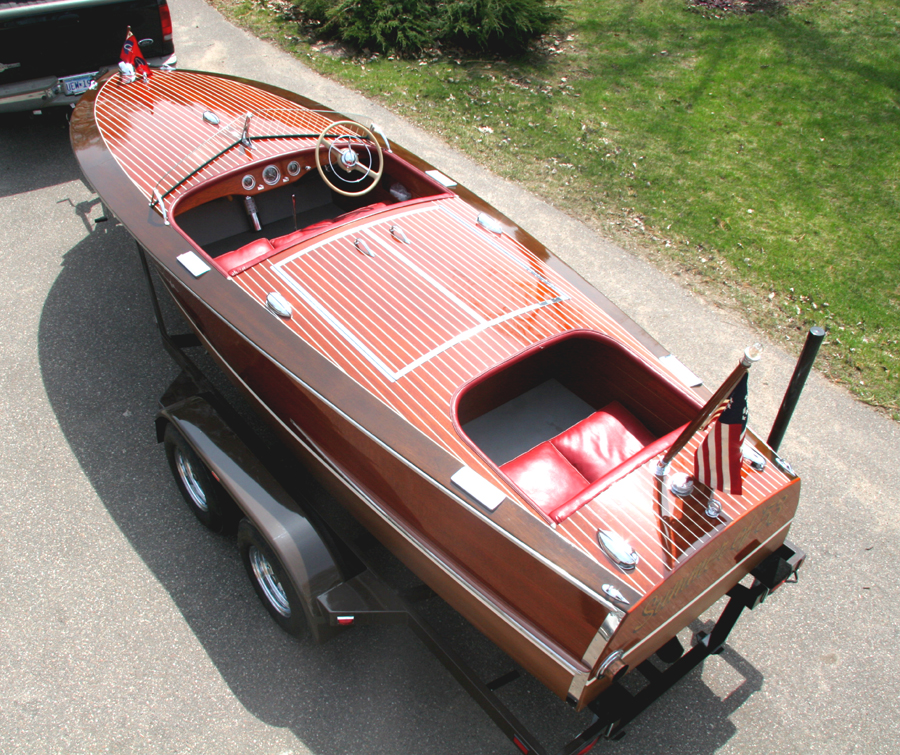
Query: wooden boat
[(491, 418)]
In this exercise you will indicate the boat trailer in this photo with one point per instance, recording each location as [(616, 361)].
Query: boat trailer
[(338, 589)]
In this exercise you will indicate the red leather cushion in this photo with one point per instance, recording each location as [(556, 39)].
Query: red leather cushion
[(289, 239), (241, 259), (545, 476), (615, 474), (283, 242), (603, 441)]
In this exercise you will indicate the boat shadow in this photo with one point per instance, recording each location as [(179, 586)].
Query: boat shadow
[(372, 689), (695, 716)]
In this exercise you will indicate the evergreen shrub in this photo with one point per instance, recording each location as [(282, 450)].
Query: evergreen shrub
[(406, 27)]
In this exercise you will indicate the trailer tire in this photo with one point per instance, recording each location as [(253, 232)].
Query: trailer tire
[(270, 580), (205, 497)]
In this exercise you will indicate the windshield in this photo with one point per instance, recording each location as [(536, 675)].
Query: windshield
[(254, 134)]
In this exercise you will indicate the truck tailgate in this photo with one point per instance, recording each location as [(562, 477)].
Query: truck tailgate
[(41, 38)]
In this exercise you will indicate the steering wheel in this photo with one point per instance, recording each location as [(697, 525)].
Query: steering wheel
[(343, 153)]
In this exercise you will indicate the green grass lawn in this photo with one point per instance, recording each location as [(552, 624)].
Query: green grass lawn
[(756, 154)]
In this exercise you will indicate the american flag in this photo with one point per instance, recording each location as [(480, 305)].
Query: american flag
[(717, 462)]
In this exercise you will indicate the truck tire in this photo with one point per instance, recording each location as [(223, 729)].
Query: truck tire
[(270, 581), (205, 497)]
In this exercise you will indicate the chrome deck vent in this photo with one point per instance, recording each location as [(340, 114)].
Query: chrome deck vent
[(211, 117), (397, 233), (278, 304), (363, 247), (618, 549)]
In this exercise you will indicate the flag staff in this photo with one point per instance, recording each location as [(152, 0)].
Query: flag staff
[(751, 354)]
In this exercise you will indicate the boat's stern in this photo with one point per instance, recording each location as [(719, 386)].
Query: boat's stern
[(749, 543)]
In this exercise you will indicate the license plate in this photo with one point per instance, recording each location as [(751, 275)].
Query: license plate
[(78, 84)]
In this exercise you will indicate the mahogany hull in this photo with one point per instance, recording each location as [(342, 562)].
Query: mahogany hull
[(416, 519), (536, 588)]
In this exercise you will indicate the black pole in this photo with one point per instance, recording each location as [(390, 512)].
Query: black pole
[(795, 387)]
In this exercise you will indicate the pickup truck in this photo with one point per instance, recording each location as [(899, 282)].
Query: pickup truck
[(51, 51)]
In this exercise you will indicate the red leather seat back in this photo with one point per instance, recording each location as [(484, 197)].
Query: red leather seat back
[(283, 242), (545, 476), (249, 254), (240, 259), (614, 475), (603, 441)]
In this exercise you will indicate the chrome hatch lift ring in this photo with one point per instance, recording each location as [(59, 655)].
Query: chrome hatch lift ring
[(342, 151)]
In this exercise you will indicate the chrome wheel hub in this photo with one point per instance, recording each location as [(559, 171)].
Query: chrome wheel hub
[(189, 478), (271, 586)]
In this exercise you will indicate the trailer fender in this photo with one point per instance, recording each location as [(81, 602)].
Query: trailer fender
[(273, 511)]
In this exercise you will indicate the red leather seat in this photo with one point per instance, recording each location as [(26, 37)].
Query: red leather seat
[(545, 475), (555, 473), (603, 441), (283, 242)]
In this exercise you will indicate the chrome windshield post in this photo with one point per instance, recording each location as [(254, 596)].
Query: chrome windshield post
[(376, 129), (245, 134), (158, 201)]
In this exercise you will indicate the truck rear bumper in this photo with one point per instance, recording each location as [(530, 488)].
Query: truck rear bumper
[(49, 91)]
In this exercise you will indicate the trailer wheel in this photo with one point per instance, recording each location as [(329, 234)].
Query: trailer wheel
[(201, 491), (270, 581)]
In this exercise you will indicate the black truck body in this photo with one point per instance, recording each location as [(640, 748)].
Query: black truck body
[(51, 50)]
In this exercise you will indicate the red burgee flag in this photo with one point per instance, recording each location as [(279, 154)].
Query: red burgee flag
[(129, 49), (131, 54), (717, 462)]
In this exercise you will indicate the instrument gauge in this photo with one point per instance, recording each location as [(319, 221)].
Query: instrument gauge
[(248, 182), (293, 168), (271, 174)]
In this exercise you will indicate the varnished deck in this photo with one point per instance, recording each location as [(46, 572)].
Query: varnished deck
[(415, 321), (166, 112)]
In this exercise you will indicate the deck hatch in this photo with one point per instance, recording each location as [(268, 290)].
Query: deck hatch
[(414, 298)]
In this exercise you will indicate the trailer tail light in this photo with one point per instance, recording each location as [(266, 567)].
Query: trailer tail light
[(345, 620), (588, 746), (165, 19)]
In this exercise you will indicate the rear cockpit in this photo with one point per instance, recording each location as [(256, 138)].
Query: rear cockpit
[(569, 416)]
